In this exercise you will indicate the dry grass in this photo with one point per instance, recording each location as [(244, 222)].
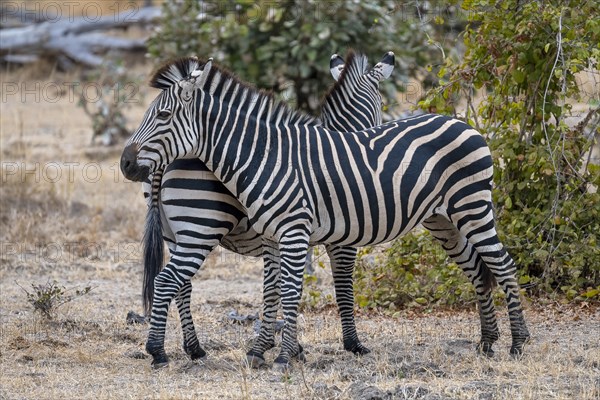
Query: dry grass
[(86, 232), (89, 351)]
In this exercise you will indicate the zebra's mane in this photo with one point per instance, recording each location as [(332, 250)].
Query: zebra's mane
[(174, 71), (182, 68), (355, 64)]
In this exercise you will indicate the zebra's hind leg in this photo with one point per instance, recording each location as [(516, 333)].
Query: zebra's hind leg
[(476, 223), (342, 269), (462, 252), (190, 340), (271, 297)]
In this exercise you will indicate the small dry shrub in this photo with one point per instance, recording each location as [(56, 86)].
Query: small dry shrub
[(48, 297)]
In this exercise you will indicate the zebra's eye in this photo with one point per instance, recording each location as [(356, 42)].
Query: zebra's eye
[(163, 114)]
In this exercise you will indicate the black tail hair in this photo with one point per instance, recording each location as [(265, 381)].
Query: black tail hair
[(154, 251)]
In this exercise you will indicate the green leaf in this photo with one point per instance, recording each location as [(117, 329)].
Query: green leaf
[(524, 279), (541, 254), (558, 73), (421, 300), (518, 75), (591, 293), (324, 34), (362, 301)]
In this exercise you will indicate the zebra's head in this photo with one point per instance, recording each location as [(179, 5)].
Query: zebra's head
[(168, 128), (355, 81)]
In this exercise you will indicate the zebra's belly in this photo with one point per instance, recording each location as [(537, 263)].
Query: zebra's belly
[(356, 233), (244, 240), (197, 207), (376, 218)]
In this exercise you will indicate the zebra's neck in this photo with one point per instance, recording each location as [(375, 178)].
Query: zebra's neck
[(356, 65), (353, 103), (242, 126)]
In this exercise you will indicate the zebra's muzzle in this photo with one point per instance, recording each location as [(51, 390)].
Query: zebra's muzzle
[(129, 165)]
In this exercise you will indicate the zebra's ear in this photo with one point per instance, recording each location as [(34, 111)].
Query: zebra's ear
[(201, 73), (336, 66), (383, 69), (195, 80)]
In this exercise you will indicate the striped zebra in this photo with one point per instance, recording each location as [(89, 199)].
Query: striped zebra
[(194, 212), (302, 184)]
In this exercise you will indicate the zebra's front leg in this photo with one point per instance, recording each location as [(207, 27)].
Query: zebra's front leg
[(166, 286), (190, 340), (271, 296), (342, 269), (292, 251)]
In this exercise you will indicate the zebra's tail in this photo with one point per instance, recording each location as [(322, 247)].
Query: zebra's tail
[(153, 243)]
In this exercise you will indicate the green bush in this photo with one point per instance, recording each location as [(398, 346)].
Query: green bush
[(414, 271), (523, 59), (286, 46)]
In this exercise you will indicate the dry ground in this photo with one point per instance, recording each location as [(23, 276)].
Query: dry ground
[(82, 228)]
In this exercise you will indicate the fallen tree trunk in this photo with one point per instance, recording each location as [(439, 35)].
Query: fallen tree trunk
[(76, 38)]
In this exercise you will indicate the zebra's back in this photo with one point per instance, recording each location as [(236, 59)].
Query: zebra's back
[(388, 179)]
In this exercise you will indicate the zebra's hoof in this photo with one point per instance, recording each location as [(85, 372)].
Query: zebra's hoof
[(356, 347), (485, 349), (159, 360), (195, 352), (360, 350), (517, 351), (159, 364), (255, 361), (282, 366), (198, 356), (518, 346)]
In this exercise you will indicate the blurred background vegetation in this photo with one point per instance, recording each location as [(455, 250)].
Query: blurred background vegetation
[(529, 81), (286, 46)]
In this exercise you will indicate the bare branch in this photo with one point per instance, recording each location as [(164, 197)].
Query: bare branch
[(78, 38)]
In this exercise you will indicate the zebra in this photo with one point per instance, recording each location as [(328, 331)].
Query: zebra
[(196, 211), (303, 185)]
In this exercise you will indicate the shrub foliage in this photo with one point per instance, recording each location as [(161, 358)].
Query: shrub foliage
[(518, 83), (47, 298), (285, 46), (414, 271)]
